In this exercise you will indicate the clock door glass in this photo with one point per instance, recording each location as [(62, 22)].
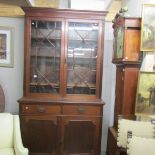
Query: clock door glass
[(119, 46)]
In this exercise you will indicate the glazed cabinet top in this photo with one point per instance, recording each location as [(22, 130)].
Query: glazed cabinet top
[(63, 53)]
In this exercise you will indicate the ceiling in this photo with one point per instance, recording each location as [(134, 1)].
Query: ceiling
[(15, 2), (43, 3), (11, 8), (113, 8)]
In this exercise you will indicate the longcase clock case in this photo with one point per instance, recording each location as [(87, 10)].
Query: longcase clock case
[(127, 58), (61, 110)]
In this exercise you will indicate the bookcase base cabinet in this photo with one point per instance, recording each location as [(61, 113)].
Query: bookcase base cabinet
[(61, 128)]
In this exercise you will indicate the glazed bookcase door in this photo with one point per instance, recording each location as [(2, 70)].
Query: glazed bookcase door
[(82, 57), (45, 53)]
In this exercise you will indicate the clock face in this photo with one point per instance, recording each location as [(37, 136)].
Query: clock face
[(119, 43)]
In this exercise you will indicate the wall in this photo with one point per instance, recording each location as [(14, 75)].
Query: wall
[(11, 79), (132, 4), (108, 83), (63, 4), (83, 4)]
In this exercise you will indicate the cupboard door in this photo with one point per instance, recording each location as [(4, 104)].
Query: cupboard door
[(82, 57), (45, 53), (40, 134), (81, 135)]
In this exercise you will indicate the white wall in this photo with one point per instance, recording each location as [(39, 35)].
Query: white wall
[(108, 84), (135, 6), (83, 4), (11, 79), (107, 3), (63, 4)]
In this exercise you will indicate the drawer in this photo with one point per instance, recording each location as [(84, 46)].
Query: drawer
[(41, 109), (81, 110)]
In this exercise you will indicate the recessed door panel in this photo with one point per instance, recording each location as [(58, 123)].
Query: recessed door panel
[(40, 135)]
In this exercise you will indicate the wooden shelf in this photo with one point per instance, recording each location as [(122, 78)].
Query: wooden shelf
[(70, 85), (71, 69), (82, 85), (48, 56), (44, 84), (81, 57), (44, 38)]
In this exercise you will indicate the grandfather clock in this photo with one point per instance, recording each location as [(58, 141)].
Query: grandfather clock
[(127, 58)]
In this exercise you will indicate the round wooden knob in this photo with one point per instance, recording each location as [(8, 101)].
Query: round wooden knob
[(26, 107)]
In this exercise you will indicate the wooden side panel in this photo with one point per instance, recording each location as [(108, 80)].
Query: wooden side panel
[(130, 88), (126, 87), (112, 148), (119, 93), (132, 44), (112, 142)]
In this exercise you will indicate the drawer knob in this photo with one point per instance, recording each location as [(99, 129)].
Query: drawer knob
[(26, 107), (81, 110), (41, 109)]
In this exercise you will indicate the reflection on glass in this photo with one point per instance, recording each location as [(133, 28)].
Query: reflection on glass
[(148, 63), (82, 57), (45, 56)]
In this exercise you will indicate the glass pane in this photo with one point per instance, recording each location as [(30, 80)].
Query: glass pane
[(119, 50), (45, 56), (82, 58)]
